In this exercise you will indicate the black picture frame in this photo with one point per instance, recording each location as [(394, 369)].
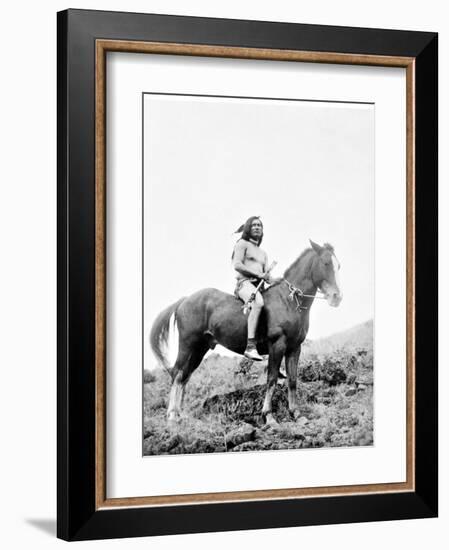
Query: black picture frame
[(78, 515)]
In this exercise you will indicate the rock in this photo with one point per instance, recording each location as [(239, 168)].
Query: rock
[(310, 372), (361, 387), (365, 380), (302, 421), (170, 444), (353, 421), (350, 392), (148, 377), (333, 373), (245, 405), (247, 446), (243, 434)]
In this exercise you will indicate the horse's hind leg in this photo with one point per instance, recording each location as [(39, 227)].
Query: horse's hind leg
[(189, 358), (179, 380), (194, 362)]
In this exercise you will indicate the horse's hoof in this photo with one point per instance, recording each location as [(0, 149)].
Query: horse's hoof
[(301, 421), (173, 420), (271, 421)]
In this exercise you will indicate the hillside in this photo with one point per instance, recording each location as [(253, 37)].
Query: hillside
[(224, 399), (359, 336)]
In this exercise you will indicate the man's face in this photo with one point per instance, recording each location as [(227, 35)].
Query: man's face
[(256, 229)]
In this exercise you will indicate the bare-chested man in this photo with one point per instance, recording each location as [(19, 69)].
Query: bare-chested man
[(251, 264)]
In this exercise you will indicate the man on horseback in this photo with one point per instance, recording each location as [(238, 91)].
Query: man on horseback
[(209, 316), (251, 265)]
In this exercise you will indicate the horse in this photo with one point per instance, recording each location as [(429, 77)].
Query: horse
[(210, 316)]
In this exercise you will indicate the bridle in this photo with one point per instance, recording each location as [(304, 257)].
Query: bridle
[(297, 295)]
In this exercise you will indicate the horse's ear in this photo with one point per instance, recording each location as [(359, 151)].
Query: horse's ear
[(318, 249)]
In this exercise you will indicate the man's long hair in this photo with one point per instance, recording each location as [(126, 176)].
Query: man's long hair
[(245, 230)]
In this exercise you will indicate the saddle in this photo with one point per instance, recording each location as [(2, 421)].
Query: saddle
[(255, 281)]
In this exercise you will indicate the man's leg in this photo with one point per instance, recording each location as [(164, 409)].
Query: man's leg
[(245, 292)]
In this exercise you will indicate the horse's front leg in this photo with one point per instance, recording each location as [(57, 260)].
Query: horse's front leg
[(291, 361), (276, 352)]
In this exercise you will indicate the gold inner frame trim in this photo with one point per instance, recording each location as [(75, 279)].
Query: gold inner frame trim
[(104, 46)]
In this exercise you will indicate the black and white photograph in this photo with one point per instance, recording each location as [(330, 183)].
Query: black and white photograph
[(258, 261), (225, 254)]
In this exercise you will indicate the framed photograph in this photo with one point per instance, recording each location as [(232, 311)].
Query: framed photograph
[(247, 274)]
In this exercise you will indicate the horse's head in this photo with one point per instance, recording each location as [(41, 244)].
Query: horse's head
[(325, 274)]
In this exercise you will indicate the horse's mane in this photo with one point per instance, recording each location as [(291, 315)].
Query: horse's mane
[(295, 264)]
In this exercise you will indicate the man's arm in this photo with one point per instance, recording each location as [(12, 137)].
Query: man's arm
[(266, 276), (239, 257)]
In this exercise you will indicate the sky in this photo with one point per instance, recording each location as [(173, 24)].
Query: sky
[(305, 167)]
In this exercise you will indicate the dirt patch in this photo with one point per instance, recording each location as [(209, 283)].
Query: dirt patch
[(246, 405)]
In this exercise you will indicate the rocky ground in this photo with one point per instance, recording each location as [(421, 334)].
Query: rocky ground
[(225, 396)]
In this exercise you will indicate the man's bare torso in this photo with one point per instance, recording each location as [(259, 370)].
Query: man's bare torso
[(252, 257)]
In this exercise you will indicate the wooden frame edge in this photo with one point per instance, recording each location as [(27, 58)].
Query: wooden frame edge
[(102, 47), (100, 275), (237, 52), (410, 277)]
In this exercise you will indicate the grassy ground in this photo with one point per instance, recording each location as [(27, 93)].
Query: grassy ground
[(225, 394)]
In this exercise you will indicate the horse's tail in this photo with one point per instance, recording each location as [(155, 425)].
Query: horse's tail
[(160, 332)]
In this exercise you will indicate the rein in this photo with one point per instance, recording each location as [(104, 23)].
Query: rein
[(297, 294)]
